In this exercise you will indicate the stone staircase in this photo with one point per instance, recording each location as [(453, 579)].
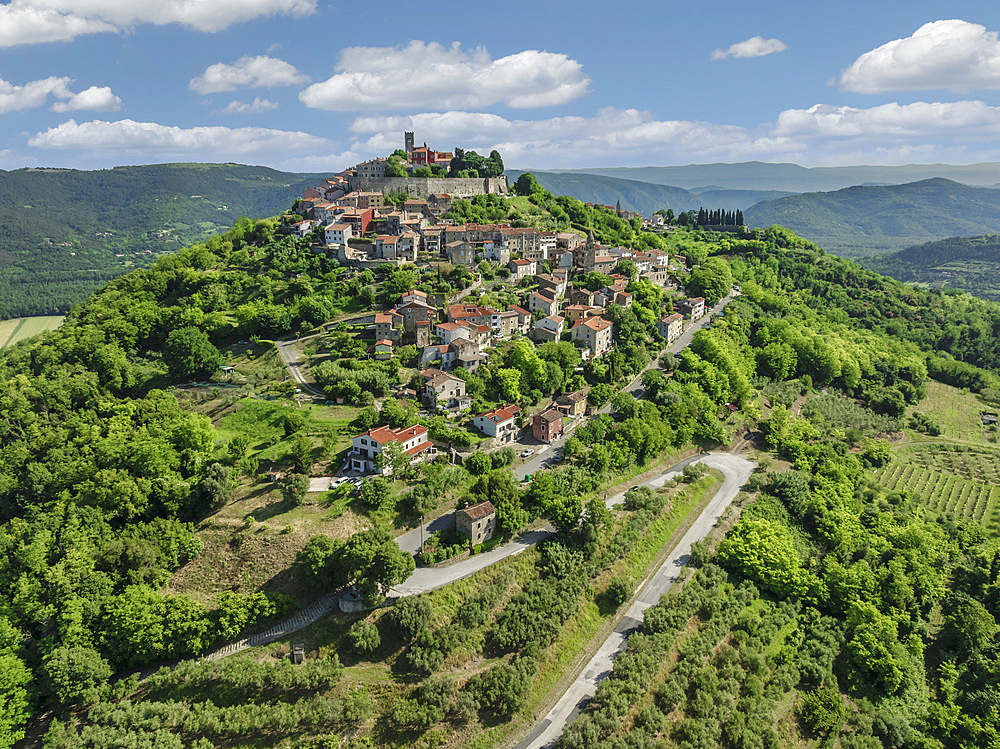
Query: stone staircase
[(311, 613)]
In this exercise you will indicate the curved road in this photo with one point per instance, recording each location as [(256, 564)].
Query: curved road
[(291, 359), (736, 471)]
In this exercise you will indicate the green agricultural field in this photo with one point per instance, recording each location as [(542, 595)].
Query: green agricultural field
[(941, 492), (955, 411), (977, 464), (19, 328)]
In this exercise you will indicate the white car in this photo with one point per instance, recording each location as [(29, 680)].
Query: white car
[(527, 453)]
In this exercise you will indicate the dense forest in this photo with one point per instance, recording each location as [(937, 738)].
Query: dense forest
[(65, 232), (867, 220), (969, 264)]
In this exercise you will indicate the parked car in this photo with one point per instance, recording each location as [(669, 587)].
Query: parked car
[(528, 453)]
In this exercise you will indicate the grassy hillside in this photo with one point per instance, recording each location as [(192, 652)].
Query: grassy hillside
[(859, 221), (64, 232), (968, 263)]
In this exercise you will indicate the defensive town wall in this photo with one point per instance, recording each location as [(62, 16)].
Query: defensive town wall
[(421, 187)]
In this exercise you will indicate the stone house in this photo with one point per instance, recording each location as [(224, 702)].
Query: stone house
[(572, 404), (693, 307), (523, 318), (445, 391), (670, 327), (576, 312), (415, 312), (593, 335), (477, 522), (541, 302), (388, 325), (522, 269), (337, 233), (548, 329)]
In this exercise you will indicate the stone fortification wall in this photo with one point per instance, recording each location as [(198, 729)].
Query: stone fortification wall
[(421, 187)]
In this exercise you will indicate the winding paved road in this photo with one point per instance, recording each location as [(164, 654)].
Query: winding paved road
[(736, 471)]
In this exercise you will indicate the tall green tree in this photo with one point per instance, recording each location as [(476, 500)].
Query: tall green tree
[(189, 353)]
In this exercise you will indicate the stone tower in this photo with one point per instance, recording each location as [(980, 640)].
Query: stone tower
[(408, 143), (584, 255)]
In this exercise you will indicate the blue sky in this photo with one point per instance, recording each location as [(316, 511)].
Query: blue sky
[(308, 85)]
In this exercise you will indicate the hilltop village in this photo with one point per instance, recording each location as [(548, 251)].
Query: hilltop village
[(411, 462), (558, 287)]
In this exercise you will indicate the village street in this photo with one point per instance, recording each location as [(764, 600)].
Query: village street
[(553, 452)]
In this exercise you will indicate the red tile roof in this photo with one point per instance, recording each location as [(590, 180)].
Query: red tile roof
[(503, 413), (594, 323), (382, 435)]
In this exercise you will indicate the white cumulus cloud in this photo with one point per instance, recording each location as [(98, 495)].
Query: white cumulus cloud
[(610, 135), (33, 94), (960, 120), (755, 46), (22, 23), (395, 78), (952, 55), (256, 106), (247, 72), (36, 21), (205, 143), (93, 99)]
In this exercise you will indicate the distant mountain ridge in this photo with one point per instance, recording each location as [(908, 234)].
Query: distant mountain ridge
[(645, 197), (759, 175), (861, 221), (968, 263)]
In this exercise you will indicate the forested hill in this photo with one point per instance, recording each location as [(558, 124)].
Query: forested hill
[(860, 221), (968, 263), (644, 197), (64, 232), (846, 601)]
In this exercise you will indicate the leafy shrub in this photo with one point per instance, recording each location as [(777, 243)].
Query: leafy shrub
[(364, 638), (501, 689), (618, 591), (409, 617)]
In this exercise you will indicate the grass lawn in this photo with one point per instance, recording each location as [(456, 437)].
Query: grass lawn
[(955, 411), (19, 328)]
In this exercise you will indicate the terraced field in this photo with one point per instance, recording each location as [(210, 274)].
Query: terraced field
[(944, 492), (968, 461)]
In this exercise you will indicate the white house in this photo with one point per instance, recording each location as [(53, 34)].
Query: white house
[(368, 445), (338, 233), (499, 423), (449, 331)]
